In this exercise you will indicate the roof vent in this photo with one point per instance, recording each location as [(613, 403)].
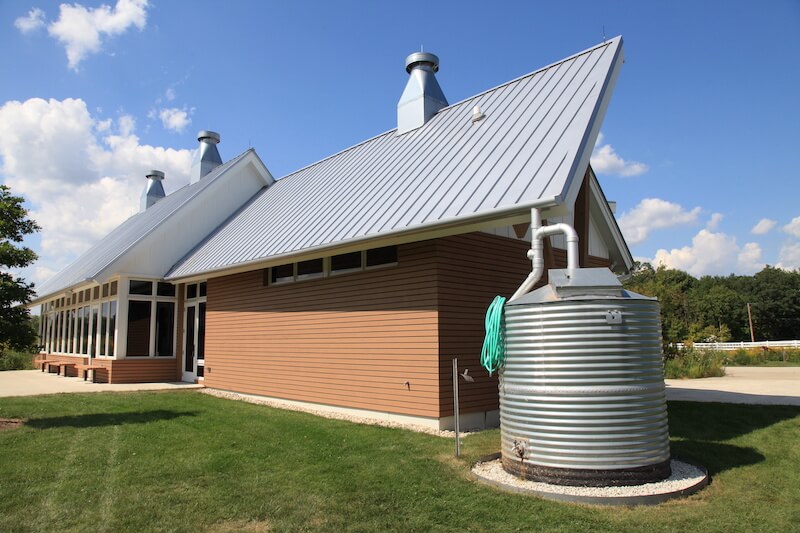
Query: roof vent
[(207, 157), (422, 97), (153, 191)]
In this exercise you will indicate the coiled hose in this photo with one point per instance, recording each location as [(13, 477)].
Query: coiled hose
[(493, 354)]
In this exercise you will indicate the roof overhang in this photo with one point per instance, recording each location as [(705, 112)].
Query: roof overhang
[(501, 217)]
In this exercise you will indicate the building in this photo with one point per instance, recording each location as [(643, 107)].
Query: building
[(353, 282)]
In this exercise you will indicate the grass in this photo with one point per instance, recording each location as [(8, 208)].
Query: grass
[(185, 461)]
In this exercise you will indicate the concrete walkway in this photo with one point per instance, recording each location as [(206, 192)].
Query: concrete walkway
[(753, 385), (33, 382), (741, 384)]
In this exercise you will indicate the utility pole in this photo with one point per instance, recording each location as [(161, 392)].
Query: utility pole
[(750, 318)]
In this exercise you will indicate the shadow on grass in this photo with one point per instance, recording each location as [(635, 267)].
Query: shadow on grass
[(715, 456), (107, 419)]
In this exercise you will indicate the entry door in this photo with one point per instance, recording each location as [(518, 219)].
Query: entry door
[(194, 338)]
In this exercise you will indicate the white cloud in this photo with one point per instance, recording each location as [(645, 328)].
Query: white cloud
[(605, 160), (713, 223), (651, 214), (793, 227), (80, 175), (789, 256), (174, 119), (763, 226), (712, 254), (169, 94), (81, 30), (32, 22)]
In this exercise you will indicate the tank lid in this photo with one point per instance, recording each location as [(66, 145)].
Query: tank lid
[(581, 284)]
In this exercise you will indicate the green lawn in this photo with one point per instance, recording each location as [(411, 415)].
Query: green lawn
[(185, 461)]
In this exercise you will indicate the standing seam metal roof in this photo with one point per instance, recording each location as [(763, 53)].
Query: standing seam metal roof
[(114, 245), (521, 153)]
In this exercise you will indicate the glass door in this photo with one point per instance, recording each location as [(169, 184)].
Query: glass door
[(194, 332)]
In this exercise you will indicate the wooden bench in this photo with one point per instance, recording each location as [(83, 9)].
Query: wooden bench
[(60, 365), (44, 362), (86, 368)]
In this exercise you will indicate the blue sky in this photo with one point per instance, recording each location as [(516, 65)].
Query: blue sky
[(697, 146)]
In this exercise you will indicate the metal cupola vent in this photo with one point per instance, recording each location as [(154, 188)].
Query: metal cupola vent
[(207, 157), (153, 191), (422, 97)]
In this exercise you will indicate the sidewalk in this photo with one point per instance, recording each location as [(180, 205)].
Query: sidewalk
[(33, 382), (741, 384)]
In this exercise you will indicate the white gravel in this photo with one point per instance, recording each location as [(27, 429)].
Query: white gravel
[(333, 415), (683, 476)]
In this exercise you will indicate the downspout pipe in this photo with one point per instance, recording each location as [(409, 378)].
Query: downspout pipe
[(536, 253)]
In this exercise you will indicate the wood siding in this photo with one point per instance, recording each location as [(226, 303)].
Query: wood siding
[(473, 269), (364, 340)]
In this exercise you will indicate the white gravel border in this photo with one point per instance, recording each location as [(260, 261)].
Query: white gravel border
[(333, 415), (685, 477)]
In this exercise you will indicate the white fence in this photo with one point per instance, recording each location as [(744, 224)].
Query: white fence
[(727, 346)]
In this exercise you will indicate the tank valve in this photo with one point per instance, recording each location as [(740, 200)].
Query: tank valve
[(518, 449)]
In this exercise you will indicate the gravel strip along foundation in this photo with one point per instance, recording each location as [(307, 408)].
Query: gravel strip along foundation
[(685, 479), (333, 415)]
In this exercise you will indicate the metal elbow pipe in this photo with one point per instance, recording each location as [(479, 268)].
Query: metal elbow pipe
[(536, 253)]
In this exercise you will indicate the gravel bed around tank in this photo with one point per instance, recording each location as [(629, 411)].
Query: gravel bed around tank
[(685, 479), (333, 415)]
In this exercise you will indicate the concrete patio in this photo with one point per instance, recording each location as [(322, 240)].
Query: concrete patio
[(741, 384), (34, 382)]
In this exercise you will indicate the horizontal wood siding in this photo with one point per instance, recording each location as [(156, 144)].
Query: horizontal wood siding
[(364, 340), (473, 269)]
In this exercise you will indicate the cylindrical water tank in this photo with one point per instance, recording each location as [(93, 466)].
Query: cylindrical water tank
[(582, 398)]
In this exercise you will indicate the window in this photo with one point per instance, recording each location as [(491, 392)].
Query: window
[(382, 256), (203, 289), (112, 327), (138, 328), (103, 328), (281, 274), (191, 291), (113, 288), (345, 262), (96, 293), (140, 287), (165, 329), (85, 331), (87, 295), (310, 269), (105, 290), (165, 289), (93, 329)]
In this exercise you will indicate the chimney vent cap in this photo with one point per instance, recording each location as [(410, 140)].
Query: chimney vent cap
[(155, 174), (208, 136), (418, 58)]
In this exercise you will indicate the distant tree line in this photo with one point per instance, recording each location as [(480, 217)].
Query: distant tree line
[(714, 308)]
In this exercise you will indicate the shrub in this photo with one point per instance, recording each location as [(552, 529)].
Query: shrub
[(11, 360), (691, 363), (761, 356)]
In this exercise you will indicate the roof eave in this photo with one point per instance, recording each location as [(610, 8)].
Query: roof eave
[(440, 228)]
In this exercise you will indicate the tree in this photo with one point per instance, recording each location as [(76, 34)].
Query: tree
[(16, 330), (672, 288)]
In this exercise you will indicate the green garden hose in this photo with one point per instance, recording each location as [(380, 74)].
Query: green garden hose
[(493, 354)]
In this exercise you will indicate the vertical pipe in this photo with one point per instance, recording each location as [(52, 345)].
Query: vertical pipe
[(455, 405)]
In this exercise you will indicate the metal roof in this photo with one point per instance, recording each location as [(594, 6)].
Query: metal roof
[(114, 245), (537, 131)]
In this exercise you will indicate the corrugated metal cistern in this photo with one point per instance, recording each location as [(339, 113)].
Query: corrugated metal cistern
[(582, 398)]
